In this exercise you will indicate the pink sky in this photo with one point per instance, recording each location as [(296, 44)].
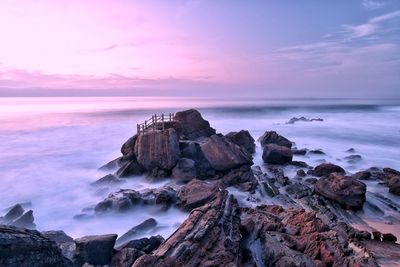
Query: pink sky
[(183, 45)]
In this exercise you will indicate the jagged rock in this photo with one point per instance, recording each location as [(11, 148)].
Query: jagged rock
[(135, 231), (224, 155), (391, 171), (63, 241), (196, 193), (192, 150), (348, 192), (125, 257), (164, 196), (114, 164), (109, 179), (185, 170), (303, 119), (244, 139), (272, 137), (119, 201), (325, 169), (242, 178), (26, 220), (191, 125), (15, 212), (147, 245), (362, 175), (298, 190), (275, 154), (22, 247), (208, 237), (95, 249), (130, 168), (158, 149), (128, 148)]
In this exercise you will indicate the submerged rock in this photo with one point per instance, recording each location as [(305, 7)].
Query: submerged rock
[(15, 212), (109, 179), (95, 250), (64, 242), (244, 139), (272, 137), (316, 152), (276, 154), (303, 119), (348, 192), (325, 169), (353, 158)]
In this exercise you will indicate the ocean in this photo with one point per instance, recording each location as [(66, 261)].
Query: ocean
[(51, 148)]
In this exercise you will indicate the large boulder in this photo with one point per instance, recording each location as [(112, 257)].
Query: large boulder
[(224, 155), (276, 154), (196, 193), (158, 149), (185, 170), (192, 150), (244, 139), (125, 257), (347, 191), (22, 247), (95, 250), (191, 125), (325, 169), (128, 148), (272, 137), (208, 237)]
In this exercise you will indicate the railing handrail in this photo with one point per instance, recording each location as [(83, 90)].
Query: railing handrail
[(153, 123)]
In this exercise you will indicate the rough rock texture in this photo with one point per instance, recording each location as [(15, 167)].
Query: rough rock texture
[(224, 155), (128, 148), (22, 248), (208, 237), (394, 185), (242, 178), (158, 149), (192, 150), (63, 241), (26, 220), (15, 212), (325, 169), (196, 193), (347, 191), (125, 257), (272, 137), (130, 167), (276, 154), (136, 230), (147, 245), (362, 175), (191, 125), (109, 179), (95, 250), (244, 139), (185, 170)]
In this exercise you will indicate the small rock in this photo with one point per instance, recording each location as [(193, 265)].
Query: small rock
[(351, 150), (377, 235), (272, 137), (147, 245), (301, 173), (96, 250), (300, 152), (276, 154), (125, 257), (353, 158), (303, 119), (389, 237), (135, 231), (325, 169), (300, 164), (25, 221), (15, 212), (362, 175), (109, 179), (316, 152)]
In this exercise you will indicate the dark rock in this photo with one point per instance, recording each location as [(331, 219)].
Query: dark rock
[(244, 139), (196, 193), (377, 235), (316, 152), (241, 178), (158, 149), (22, 247), (391, 171), (63, 241), (276, 154), (348, 192), (325, 169), (270, 188), (362, 175), (389, 237), (136, 231), (26, 220), (272, 137), (130, 168), (311, 180), (114, 164), (125, 257), (147, 245), (394, 185), (351, 150), (164, 196), (128, 148), (301, 173), (303, 119), (185, 170), (15, 212), (95, 250), (224, 155), (191, 125), (300, 152), (119, 201), (298, 190), (300, 164), (109, 179), (353, 158), (192, 150), (208, 237)]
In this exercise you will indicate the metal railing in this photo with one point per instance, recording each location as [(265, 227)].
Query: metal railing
[(155, 123)]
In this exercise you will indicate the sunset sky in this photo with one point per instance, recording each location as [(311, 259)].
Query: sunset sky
[(284, 48)]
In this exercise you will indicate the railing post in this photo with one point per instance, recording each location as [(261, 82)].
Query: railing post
[(162, 121), (155, 122), (138, 128)]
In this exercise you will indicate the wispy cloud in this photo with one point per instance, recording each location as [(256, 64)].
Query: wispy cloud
[(373, 4)]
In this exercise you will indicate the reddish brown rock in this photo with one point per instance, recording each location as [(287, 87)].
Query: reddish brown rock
[(196, 193), (276, 154), (272, 137), (244, 139), (325, 169)]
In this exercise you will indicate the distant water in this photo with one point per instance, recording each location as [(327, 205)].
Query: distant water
[(51, 148)]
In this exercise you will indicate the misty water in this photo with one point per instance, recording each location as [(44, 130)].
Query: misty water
[(51, 149)]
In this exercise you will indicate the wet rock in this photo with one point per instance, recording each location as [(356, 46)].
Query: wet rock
[(244, 139), (300, 164), (22, 247), (242, 178), (158, 149), (130, 168), (26, 220), (303, 119), (134, 232), (191, 125), (63, 241), (311, 180), (185, 170), (351, 150), (114, 164), (95, 250), (119, 201), (390, 171), (386, 253), (377, 235), (15, 212), (270, 188), (208, 237), (164, 196), (389, 238), (109, 179), (272, 137), (301, 173), (224, 155), (348, 192), (125, 257), (316, 152), (353, 158), (147, 245), (128, 148), (192, 150), (196, 193), (362, 175), (325, 169), (300, 152), (298, 190), (275, 154), (394, 185)]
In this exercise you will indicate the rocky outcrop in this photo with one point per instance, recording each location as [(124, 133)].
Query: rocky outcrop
[(208, 237), (272, 137), (134, 232), (223, 155), (22, 247), (244, 139), (196, 193), (302, 119), (95, 250), (190, 125), (146, 245), (16, 216), (347, 191), (192, 150), (276, 154), (185, 170), (325, 169), (63, 241), (125, 257), (158, 150)]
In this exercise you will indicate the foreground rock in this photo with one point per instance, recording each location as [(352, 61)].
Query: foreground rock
[(325, 169), (134, 232), (22, 247), (347, 191), (196, 193), (209, 237), (272, 137), (275, 154), (95, 250), (244, 139)]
